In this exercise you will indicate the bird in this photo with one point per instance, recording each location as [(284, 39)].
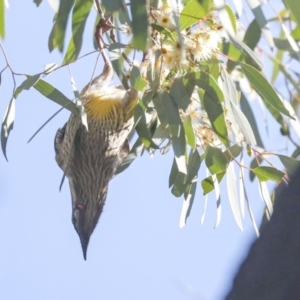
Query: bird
[(90, 155)]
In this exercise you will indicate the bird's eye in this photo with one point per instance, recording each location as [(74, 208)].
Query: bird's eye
[(80, 206)]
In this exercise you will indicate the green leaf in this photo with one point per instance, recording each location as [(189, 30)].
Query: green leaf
[(278, 66), (7, 124), (265, 195), (206, 82), (232, 195), (244, 125), (243, 190), (189, 131), (80, 14), (188, 203), (193, 166), (162, 30), (254, 164), (233, 152), (283, 44), (215, 160), (160, 135), (296, 33), (262, 21), (252, 35), (176, 130), (276, 115), (262, 86), (230, 90), (232, 18), (235, 116), (157, 101), (2, 19), (252, 59), (268, 173), (216, 115), (79, 104), (289, 163), (49, 91), (136, 79), (293, 5), (113, 5), (57, 35), (193, 12), (139, 24), (27, 84), (180, 94), (246, 109), (291, 40), (208, 183), (141, 127), (179, 184), (238, 50), (212, 99), (173, 173), (227, 18)]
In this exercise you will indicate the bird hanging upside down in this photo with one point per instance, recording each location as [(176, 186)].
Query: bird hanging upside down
[(89, 158)]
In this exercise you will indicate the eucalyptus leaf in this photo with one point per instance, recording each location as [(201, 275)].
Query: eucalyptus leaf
[(264, 88), (188, 203), (139, 23), (7, 124), (193, 11), (57, 35), (179, 93), (233, 152), (79, 104), (81, 11), (26, 84), (232, 195), (265, 196), (262, 21), (289, 163), (244, 125), (189, 131), (176, 130), (218, 200), (49, 91), (2, 19), (193, 166), (136, 79), (215, 160), (293, 5), (141, 127), (246, 109), (265, 173)]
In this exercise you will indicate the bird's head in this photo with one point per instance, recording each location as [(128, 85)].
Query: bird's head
[(85, 219)]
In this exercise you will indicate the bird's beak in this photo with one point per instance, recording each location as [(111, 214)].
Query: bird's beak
[(84, 244)]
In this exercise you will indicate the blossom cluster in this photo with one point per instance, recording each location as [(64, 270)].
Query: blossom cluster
[(174, 52)]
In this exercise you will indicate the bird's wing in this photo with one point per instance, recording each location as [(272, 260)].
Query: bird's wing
[(124, 151), (58, 140)]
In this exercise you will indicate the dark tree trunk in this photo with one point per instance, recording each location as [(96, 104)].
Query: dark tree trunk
[(272, 269)]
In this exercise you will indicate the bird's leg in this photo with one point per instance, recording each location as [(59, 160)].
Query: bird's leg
[(105, 77), (103, 26)]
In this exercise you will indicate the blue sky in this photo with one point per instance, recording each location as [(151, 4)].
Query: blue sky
[(137, 250)]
